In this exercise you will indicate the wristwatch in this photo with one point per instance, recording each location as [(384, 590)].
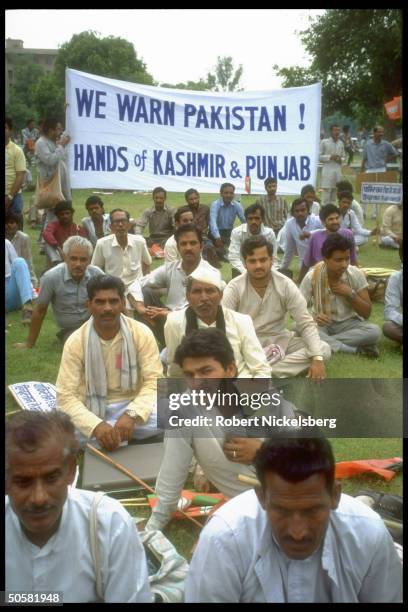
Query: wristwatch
[(132, 413), (317, 358)]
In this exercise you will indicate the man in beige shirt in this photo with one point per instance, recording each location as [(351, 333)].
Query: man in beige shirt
[(107, 380), (268, 296), (204, 294), (122, 254), (391, 228), (340, 301)]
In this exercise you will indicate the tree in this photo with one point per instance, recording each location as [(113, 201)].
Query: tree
[(225, 77), (357, 56), (200, 85), (111, 57), (21, 104), (49, 98)]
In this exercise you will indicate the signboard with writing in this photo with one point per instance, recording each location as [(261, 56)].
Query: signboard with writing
[(136, 137), (386, 193), (37, 396)]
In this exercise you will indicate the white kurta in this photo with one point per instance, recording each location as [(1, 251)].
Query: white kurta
[(249, 356), (65, 562), (237, 559)]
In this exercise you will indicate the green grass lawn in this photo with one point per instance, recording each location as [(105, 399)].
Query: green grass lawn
[(42, 362)]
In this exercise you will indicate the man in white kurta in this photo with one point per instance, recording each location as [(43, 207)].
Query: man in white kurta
[(122, 254), (269, 307), (204, 293), (48, 522), (295, 538), (332, 155), (237, 559)]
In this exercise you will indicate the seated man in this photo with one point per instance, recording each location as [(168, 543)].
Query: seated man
[(56, 232), (391, 227), (18, 287), (223, 213), (330, 218), (308, 193), (182, 216), (340, 302), (122, 254), (64, 286), (344, 185), (255, 217), (207, 354), (295, 538), (348, 219), (48, 522), (109, 367), (392, 327), (204, 294), (171, 277), (276, 207), (268, 296), (21, 242), (298, 229), (160, 220), (97, 225), (201, 218)]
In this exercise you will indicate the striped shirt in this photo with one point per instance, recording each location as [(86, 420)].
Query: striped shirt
[(276, 211)]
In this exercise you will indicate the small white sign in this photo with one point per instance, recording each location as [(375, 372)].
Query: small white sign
[(386, 193), (37, 396)]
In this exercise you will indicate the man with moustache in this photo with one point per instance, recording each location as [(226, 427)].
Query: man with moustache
[(298, 230), (339, 298), (255, 217), (170, 277), (295, 538), (204, 311), (48, 521), (330, 218), (109, 368), (64, 287), (268, 296)]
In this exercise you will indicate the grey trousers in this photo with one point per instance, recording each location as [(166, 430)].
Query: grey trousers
[(352, 332)]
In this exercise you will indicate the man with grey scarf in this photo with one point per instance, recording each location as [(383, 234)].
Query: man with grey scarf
[(109, 369)]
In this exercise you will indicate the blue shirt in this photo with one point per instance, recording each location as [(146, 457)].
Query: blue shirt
[(222, 216), (375, 154), (293, 242)]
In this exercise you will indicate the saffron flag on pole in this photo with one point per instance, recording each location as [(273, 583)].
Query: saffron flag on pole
[(394, 108)]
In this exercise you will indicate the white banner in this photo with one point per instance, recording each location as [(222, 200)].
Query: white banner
[(384, 193), (136, 137)]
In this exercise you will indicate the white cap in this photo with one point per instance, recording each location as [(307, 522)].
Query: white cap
[(209, 276)]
